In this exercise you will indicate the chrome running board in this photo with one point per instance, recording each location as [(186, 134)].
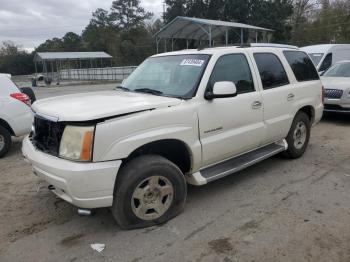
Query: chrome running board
[(236, 164)]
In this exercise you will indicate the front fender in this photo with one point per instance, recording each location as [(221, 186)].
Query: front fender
[(118, 138)]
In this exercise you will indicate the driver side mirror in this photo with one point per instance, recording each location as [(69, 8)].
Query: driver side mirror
[(222, 89)]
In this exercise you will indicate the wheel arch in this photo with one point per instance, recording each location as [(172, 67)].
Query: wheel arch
[(7, 126), (309, 111), (174, 150)]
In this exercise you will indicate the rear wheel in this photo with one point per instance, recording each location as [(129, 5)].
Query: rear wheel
[(149, 190), (298, 136), (5, 141)]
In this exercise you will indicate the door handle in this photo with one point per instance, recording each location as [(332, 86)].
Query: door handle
[(256, 105), (290, 97)]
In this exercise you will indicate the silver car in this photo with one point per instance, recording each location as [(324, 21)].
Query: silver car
[(336, 81)]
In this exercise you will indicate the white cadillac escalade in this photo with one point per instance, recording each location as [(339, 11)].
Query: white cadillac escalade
[(192, 117)]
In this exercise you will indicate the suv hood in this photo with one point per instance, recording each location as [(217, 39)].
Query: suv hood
[(97, 105), (342, 83)]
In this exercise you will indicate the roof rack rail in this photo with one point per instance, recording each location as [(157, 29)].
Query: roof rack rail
[(273, 45), (202, 47)]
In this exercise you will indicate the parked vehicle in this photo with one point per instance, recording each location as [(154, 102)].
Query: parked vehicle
[(336, 82), (15, 113), (325, 56), (195, 116)]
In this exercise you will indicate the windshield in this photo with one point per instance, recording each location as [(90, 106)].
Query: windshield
[(176, 76), (339, 70), (316, 57)]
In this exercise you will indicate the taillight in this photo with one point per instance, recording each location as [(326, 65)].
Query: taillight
[(322, 95), (21, 97)]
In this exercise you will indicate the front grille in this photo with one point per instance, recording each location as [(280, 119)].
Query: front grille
[(47, 135), (333, 93)]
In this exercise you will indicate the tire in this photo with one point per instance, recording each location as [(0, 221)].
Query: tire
[(5, 141), (140, 173), (29, 92), (298, 144)]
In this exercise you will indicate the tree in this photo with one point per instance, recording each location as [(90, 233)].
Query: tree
[(50, 45), (270, 14), (71, 42), (128, 14), (15, 61)]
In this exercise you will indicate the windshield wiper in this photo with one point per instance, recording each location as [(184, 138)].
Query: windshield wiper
[(149, 91), (122, 88)]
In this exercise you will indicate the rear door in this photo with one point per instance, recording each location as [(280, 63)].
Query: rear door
[(231, 126), (277, 94)]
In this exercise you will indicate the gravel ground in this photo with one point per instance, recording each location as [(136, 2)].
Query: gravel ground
[(278, 210)]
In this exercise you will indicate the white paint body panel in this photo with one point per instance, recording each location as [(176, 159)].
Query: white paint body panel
[(339, 52), (15, 113), (87, 185), (133, 120)]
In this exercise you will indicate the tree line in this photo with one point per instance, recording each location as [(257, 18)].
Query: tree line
[(126, 31)]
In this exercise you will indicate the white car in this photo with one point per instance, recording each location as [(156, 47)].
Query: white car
[(327, 55), (15, 114), (336, 82), (194, 115)]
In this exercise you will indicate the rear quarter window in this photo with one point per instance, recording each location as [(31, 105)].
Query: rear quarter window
[(302, 66), (271, 70)]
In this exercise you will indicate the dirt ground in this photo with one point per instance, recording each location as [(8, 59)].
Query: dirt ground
[(278, 210)]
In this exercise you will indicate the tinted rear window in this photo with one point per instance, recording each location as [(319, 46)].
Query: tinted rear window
[(271, 70), (302, 66)]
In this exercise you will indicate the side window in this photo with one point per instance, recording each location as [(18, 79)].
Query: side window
[(271, 70), (234, 68), (327, 62), (302, 66)]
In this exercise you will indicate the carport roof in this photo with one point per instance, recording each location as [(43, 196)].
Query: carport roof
[(197, 28), (50, 56)]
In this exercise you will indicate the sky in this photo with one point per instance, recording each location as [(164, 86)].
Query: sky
[(29, 23)]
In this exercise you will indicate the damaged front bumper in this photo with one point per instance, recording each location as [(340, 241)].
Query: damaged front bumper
[(85, 185)]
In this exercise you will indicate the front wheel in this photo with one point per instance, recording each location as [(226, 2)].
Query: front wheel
[(149, 190), (298, 136)]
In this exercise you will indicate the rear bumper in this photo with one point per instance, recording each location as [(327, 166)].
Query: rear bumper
[(341, 105), (85, 185), (318, 113), (336, 108)]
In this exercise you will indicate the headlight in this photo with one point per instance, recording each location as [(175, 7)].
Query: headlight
[(76, 143)]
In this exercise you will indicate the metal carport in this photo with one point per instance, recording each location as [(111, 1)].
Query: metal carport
[(191, 28), (53, 62)]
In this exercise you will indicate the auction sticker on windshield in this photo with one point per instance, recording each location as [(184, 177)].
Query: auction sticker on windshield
[(192, 62)]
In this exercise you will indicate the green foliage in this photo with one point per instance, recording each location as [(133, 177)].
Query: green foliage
[(269, 14), (15, 61), (125, 32), (128, 14), (330, 23), (122, 32)]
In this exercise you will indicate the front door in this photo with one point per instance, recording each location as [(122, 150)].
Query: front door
[(231, 126)]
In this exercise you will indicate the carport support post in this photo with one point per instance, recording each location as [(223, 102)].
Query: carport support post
[(241, 36), (226, 32), (209, 36), (36, 70), (157, 44), (172, 44), (187, 43), (256, 36)]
